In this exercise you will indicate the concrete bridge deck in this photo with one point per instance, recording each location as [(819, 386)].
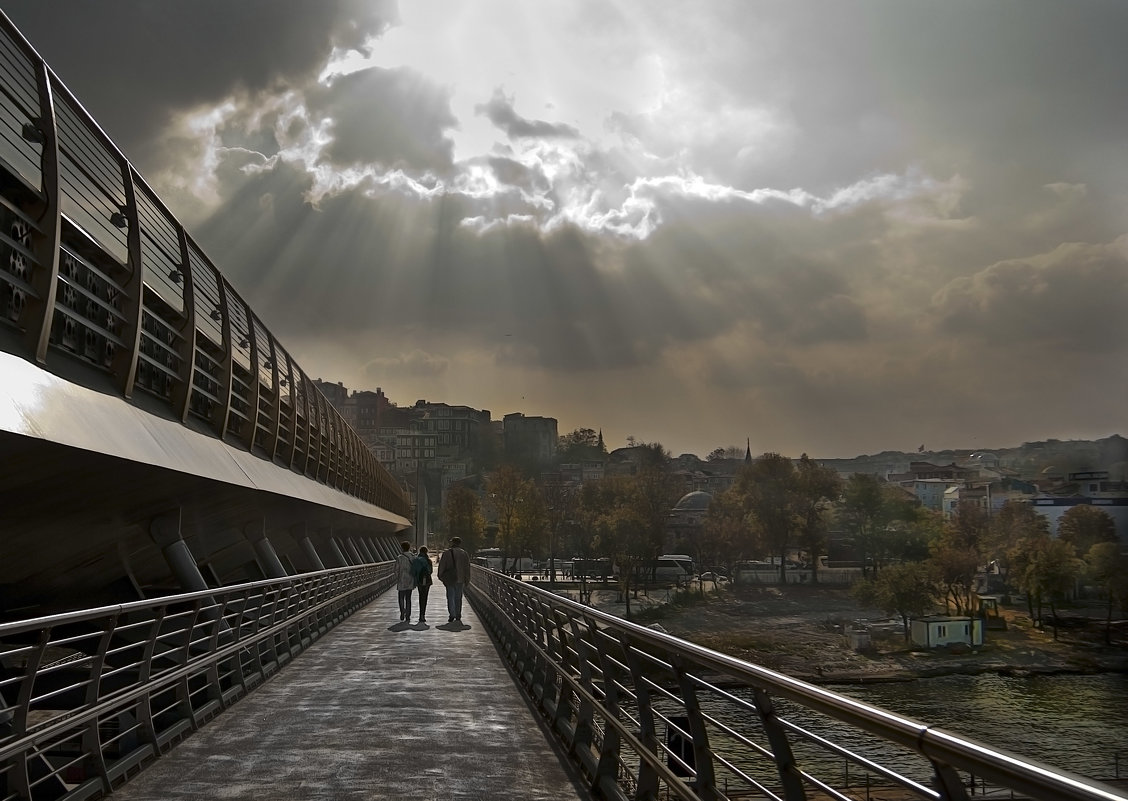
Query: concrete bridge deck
[(377, 709)]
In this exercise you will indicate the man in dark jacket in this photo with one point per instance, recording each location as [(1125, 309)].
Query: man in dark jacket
[(454, 572)]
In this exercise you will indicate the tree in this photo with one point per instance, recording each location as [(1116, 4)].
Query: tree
[(1052, 572), (724, 527), (1109, 569), (505, 491), (620, 527), (532, 523), (719, 454), (903, 589), (958, 555), (1012, 530), (877, 515), (955, 570), (769, 489), (1085, 526), (816, 487), (583, 444), (463, 514)]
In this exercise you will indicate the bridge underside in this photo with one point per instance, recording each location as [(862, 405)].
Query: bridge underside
[(85, 475)]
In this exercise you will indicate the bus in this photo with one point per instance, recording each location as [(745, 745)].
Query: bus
[(491, 558), (666, 568)]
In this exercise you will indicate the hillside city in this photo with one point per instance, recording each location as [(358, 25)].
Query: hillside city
[(434, 448)]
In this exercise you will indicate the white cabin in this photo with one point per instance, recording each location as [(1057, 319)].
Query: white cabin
[(935, 631)]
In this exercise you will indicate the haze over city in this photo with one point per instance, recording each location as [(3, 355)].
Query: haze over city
[(831, 228)]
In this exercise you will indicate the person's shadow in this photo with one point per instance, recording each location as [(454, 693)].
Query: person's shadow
[(403, 625)]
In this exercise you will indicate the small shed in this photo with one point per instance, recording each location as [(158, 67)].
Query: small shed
[(936, 631)]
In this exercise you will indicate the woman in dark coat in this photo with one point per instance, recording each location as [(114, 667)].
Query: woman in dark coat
[(421, 568)]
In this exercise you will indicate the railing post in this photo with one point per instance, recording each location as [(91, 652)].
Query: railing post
[(647, 780), (607, 769), (948, 783), (125, 364), (91, 735), (705, 780), (45, 281), (793, 789)]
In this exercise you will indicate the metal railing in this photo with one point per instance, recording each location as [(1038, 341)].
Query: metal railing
[(88, 698), (649, 716), (101, 283)]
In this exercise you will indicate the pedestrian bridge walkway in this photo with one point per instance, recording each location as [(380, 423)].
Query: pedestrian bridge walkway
[(376, 709), (309, 687)]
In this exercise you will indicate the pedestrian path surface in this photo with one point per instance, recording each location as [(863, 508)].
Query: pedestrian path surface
[(377, 709)]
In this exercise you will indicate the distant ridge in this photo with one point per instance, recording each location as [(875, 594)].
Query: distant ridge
[(1030, 458)]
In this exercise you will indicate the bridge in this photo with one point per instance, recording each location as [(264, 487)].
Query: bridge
[(195, 565)]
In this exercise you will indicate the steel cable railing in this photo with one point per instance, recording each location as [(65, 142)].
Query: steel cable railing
[(88, 698), (647, 715)]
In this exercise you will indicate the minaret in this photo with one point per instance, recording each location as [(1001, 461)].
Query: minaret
[(748, 452), (602, 449)]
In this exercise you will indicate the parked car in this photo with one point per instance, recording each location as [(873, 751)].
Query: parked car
[(714, 577)]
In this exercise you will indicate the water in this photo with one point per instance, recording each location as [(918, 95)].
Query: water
[(1075, 723)]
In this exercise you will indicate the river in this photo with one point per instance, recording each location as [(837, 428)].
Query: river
[(1076, 723)]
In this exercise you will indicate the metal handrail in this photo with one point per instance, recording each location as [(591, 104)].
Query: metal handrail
[(87, 272), (649, 715), (88, 698)]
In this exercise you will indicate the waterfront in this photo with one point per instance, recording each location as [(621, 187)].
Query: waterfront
[(1073, 722)]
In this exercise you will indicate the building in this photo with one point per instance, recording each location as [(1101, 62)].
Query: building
[(935, 631), (530, 438)]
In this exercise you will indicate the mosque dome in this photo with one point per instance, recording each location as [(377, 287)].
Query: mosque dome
[(693, 502)]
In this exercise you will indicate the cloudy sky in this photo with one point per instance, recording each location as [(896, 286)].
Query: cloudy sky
[(829, 227)]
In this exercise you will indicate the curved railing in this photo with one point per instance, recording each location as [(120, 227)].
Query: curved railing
[(88, 698), (647, 715), (101, 283)]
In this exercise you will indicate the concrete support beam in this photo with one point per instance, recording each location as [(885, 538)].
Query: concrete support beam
[(335, 555), (267, 557), (165, 531), (350, 549)]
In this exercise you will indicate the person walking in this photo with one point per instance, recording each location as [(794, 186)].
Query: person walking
[(454, 572), (421, 566), (405, 579)]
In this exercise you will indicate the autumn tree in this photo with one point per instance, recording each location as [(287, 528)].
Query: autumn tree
[(620, 529), (1013, 529), (463, 514), (1085, 526), (816, 487), (533, 520), (723, 529), (1109, 570), (505, 492), (583, 444), (719, 454), (1051, 574), (903, 589), (769, 489), (878, 516)]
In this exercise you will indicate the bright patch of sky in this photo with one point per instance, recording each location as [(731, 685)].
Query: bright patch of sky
[(550, 63)]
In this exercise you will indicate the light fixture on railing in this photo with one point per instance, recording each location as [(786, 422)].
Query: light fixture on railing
[(216, 314), (268, 364), (244, 343), (282, 382), (118, 219), (33, 133), (175, 276)]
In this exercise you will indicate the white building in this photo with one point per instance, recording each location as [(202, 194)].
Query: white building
[(935, 631)]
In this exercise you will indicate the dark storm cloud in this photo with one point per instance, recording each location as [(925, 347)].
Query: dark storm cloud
[(1071, 299), (499, 110), (155, 58), (391, 118)]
